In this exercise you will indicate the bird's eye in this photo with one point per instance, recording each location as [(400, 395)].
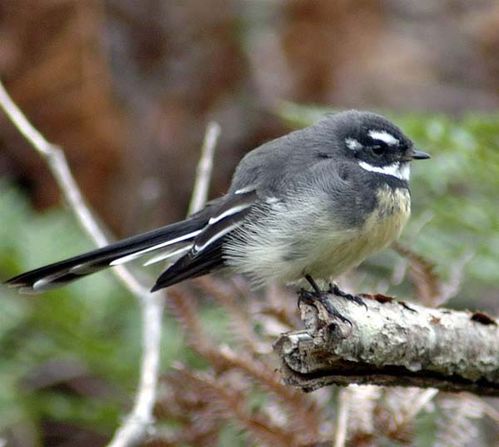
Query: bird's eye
[(378, 150)]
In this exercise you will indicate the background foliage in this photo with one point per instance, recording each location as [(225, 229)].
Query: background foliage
[(69, 357), (126, 88)]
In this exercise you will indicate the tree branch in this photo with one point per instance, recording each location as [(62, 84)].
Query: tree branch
[(138, 422), (392, 343), (204, 168)]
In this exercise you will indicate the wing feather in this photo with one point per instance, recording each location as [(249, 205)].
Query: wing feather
[(206, 254)]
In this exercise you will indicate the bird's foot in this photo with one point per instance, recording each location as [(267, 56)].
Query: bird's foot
[(318, 296), (335, 290)]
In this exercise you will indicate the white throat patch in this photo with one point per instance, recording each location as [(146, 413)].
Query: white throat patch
[(401, 171), (384, 136)]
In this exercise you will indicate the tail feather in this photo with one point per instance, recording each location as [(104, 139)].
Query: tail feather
[(126, 250), (192, 266), (172, 254)]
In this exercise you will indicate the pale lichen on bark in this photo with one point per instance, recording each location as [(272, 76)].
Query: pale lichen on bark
[(392, 343)]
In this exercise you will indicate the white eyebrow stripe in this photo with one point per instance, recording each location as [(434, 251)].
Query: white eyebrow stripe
[(138, 254), (229, 212), (384, 136), (395, 169)]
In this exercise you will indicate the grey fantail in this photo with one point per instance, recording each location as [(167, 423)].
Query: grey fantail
[(311, 204)]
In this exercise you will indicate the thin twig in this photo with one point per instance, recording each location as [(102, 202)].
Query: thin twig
[(417, 405), (204, 168), (340, 437), (138, 422)]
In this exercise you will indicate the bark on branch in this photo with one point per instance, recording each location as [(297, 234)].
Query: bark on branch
[(392, 343)]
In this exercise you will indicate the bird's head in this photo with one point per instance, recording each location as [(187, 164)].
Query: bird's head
[(370, 140)]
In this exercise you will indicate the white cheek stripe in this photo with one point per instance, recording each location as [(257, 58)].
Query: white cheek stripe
[(395, 170), (384, 136)]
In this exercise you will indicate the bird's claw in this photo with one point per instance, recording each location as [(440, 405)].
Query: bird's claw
[(335, 290), (309, 297)]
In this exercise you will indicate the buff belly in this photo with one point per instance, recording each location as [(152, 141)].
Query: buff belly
[(379, 230), (288, 253)]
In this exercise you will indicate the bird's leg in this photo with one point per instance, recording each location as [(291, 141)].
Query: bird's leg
[(335, 290), (322, 297), (314, 285)]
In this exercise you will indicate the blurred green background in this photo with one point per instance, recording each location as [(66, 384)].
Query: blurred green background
[(87, 335), (127, 89)]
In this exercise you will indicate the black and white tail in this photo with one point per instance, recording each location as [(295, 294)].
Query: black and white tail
[(195, 245), (169, 241)]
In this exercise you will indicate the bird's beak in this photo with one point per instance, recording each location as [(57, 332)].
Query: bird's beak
[(414, 154)]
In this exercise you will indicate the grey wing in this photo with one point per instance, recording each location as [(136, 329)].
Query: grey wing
[(266, 166), (206, 252), (274, 167), (255, 181)]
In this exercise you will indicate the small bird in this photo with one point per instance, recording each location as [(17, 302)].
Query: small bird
[(309, 205)]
